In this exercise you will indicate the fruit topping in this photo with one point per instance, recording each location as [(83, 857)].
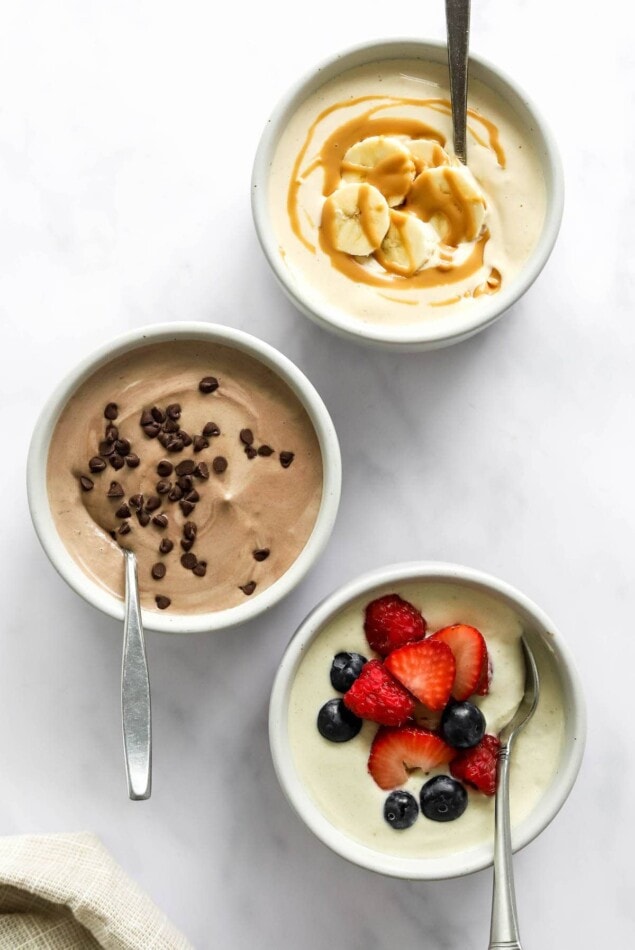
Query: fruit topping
[(462, 725), (443, 799), (401, 809), (337, 723), (427, 669), (375, 695), (485, 678), (477, 766), (468, 646), (395, 751), (391, 622), (345, 669)]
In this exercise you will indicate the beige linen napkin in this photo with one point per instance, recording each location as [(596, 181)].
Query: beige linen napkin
[(65, 892)]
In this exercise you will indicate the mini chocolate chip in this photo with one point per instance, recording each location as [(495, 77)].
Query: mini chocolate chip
[(152, 430), (185, 483), (146, 418), (193, 496), (116, 491), (161, 521), (248, 588), (165, 468), (132, 460), (113, 535), (208, 384), (166, 546), (122, 447), (158, 571), (250, 452), (187, 544), (112, 433), (173, 411), (106, 447), (124, 528), (210, 428), (175, 445), (286, 458), (201, 569), (200, 443), (189, 561), (171, 426), (185, 438), (201, 470), (187, 507), (111, 411), (162, 602), (157, 414), (96, 464), (219, 464), (189, 530), (265, 450), (175, 493), (116, 461), (186, 467), (261, 554), (144, 518), (153, 502), (136, 501), (86, 483), (164, 438), (122, 511), (246, 436), (163, 486)]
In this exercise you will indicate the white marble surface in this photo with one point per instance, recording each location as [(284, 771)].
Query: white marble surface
[(127, 131)]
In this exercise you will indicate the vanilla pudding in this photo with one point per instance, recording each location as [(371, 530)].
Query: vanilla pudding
[(372, 213), (335, 775), (196, 456)]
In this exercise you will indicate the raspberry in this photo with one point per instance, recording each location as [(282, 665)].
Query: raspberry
[(391, 622), (477, 766), (375, 695)]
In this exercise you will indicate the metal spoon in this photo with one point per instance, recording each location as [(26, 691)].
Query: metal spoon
[(135, 692), (504, 927), (457, 17)]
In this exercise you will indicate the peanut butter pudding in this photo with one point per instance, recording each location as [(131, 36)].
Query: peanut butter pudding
[(374, 212), (198, 458)]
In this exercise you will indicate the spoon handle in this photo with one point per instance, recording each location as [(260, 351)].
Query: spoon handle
[(135, 692), (504, 928), (457, 16)]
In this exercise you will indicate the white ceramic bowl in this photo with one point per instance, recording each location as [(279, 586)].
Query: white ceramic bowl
[(270, 357), (452, 327), (536, 625)]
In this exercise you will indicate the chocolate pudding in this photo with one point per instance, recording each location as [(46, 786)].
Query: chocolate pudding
[(199, 459)]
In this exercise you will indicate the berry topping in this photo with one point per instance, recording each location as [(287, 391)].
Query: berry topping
[(375, 695), (485, 678), (401, 809), (345, 669), (427, 669), (477, 766), (390, 622), (462, 725), (336, 723), (470, 652), (395, 751), (443, 799)]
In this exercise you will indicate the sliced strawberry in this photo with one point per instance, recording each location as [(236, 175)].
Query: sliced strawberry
[(375, 695), (470, 652), (482, 688), (390, 621), (427, 669), (395, 751), (477, 766)]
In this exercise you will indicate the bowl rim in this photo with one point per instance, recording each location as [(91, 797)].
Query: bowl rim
[(430, 334), (266, 354), (447, 866)]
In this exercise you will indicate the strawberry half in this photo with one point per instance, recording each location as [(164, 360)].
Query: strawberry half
[(390, 622), (395, 751), (375, 695), (470, 652), (427, 669), (477, 766)]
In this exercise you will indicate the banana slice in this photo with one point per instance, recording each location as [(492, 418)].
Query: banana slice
[(427, 153), (409, 244), (355, 219), (381, 161), (450, 199)]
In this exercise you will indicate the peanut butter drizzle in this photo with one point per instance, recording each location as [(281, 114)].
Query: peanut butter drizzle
[(398, 221), (392, 176), (387, 177)]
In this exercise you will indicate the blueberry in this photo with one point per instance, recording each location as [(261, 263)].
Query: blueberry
[(345, 669), (443, 798), (401, 809), (462, 725), (337, 723)]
